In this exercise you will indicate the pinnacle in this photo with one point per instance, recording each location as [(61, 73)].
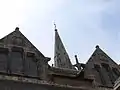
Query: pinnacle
[(55, 29), (17, 29), (75, 55), (97, 46)]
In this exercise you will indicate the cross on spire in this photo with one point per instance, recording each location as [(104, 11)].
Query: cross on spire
[(55, 26)]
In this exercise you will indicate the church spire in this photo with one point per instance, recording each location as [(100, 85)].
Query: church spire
[(61, 58)]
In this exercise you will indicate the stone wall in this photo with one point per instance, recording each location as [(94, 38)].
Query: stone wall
[(13, 85), (72, 82)]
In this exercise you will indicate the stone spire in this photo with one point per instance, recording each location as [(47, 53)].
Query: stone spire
[(61, 58)]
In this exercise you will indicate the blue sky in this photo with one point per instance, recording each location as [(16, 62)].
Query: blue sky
[(82, 24)]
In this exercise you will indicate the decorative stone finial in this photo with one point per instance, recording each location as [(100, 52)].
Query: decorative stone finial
[(97, 46), (17, 29), (76, 56), (55, 29)]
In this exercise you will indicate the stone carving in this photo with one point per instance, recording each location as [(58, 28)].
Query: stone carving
[(98, 69), (17, 41), (103, 57)]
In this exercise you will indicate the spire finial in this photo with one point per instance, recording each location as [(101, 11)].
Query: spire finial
[(17, 29), (55, 26), (97, 46)]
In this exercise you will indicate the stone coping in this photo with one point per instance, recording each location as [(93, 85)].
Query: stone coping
[(37, 81), (63, 71)]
